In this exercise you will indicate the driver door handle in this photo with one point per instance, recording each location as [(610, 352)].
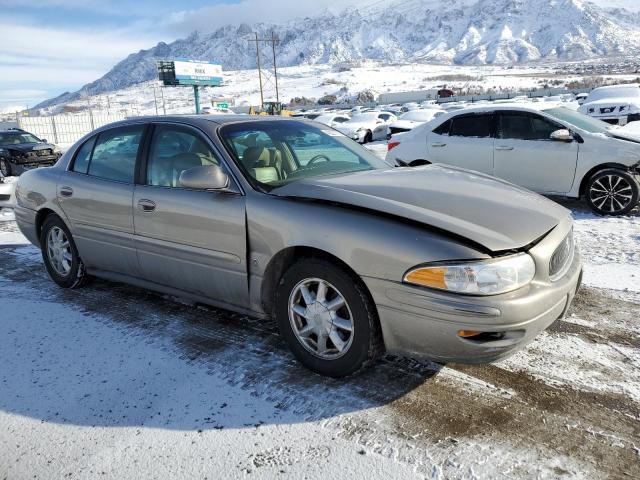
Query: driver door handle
[(439, 145), (504, 148), (66, 191), (146, 205)]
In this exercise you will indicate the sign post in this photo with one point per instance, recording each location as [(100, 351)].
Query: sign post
[(196, 97)]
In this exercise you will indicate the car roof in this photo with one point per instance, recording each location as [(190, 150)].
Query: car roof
[(524, 107)]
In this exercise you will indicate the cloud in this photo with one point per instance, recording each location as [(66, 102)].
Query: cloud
[(45, 61)]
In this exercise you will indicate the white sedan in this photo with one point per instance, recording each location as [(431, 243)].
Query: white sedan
[(413, 118), (367, 127), (545, 148), (332, 119)]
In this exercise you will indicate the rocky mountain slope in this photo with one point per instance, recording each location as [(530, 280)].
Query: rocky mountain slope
[(453, 31)]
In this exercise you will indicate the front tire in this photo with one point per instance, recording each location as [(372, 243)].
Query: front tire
[(60, 254), (368, 138), (327, 318), (5, 167), (612, 192)]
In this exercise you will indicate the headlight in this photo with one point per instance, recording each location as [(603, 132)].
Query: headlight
[(487, 277), (57, 149)]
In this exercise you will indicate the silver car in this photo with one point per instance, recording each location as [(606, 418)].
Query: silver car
[(290, 219)]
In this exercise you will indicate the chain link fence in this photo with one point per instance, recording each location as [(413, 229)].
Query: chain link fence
[(67, 129)]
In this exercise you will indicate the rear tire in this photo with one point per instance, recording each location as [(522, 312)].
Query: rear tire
[(612, 192), (334, 333), (60, 254), (368, 138)]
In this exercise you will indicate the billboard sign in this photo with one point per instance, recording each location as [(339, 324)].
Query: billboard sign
[(190, 72)]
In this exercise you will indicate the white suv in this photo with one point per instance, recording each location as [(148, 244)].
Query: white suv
[(617, 104), (548, 149)]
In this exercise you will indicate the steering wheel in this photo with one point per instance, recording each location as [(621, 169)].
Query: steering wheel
[(318, 158)]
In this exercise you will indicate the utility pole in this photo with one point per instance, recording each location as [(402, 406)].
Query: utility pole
[(155, 99), (164, 108), (275, 67), (270, 74)]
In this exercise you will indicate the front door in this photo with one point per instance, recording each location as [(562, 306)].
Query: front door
[(526, 155), (191, 240), (96, 195), (464, 141)]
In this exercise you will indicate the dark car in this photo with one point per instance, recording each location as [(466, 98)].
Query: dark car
[(21, 151)]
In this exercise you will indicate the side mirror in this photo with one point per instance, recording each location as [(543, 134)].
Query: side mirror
[(208, 177), (562, 135), (44, 140)]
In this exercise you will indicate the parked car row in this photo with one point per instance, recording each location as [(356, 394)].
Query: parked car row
[(549, 149), (283, 218)]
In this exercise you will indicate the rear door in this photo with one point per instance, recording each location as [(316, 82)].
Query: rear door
[(96, 194), (464, 141), (526, 155), (192, 240)]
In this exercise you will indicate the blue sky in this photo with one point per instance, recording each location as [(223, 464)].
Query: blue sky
[(50, 46)]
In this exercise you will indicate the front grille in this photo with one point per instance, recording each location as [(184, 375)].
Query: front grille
[(4, 198), (45, 152), (562, 258)]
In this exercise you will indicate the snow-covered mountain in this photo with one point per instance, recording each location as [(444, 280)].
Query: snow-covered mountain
[(453, 31)]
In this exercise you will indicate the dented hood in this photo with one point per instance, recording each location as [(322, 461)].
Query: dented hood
[(485, 210)]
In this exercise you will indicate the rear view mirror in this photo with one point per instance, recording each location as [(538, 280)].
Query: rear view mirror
[(208, 177), (562, 135)]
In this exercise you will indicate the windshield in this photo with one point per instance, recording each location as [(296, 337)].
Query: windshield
[(275, 153), (17, 138), (583, 122)]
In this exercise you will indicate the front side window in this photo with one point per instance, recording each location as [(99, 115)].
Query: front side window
[(114, 155), (477, 126), (275, 153), (525, 126), (173, 150)]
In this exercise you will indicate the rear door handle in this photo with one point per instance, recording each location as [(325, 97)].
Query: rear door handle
[(438, 145), (146, 205), (504, 148), (66, 191)]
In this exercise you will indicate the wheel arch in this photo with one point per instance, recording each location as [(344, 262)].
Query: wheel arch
[(603, 166), (281, 261), (42, 216)]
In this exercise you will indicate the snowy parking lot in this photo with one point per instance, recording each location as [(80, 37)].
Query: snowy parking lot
[(112, 381)]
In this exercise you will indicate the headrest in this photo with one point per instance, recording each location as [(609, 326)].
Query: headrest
[(256, 157), (265, 174)]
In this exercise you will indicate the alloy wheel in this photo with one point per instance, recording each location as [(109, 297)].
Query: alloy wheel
[(321, 318), (611, 193), (59, 251)]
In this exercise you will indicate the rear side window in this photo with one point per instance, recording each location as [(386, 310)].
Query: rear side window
[(443, 129), (477, 126), (114, 155), (525, 126), (81, 162)]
